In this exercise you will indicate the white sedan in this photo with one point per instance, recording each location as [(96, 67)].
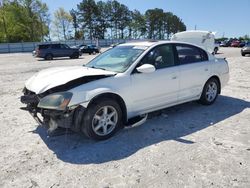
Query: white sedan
[(122, 85)]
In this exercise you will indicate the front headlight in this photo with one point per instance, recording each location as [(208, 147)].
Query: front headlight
[(56, 101)]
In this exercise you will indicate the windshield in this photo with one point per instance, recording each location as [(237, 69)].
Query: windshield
[(117, 59)]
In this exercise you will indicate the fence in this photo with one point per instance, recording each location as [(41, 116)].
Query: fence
[(30, 46)]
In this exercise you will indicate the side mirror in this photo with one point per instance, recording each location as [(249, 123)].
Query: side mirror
[(146, 68)]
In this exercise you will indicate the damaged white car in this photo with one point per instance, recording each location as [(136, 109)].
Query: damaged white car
[(120, 86)]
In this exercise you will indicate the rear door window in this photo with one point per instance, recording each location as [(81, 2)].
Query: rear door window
[(190, 54)]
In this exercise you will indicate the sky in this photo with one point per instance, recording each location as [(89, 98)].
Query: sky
[(229, 18)]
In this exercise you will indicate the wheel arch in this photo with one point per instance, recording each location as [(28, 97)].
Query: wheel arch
[(114, 96), (218, 79)]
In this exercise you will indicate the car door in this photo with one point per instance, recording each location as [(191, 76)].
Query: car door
[(65, 50), (150, 91), (56, 50), (194, 71)]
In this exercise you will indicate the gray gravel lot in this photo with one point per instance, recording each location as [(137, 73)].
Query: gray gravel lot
[(189, 145)]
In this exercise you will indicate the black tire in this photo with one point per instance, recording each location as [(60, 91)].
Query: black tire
[(74, 56), (93, 124), (48, 57), (243, 54), (210, 92), (216, 50)]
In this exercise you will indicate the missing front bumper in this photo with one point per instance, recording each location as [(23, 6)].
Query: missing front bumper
[(51, 119)]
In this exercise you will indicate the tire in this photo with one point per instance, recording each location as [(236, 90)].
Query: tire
[(102, 119), (48, 57), (74, 56), (243, 54), (210, 92), (216, 50)]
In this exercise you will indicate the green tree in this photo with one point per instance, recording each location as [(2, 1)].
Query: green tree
[(137, 26), (102, 20), (62, 24), (87, 11), (154, 23), (23, 20), (161, 25)]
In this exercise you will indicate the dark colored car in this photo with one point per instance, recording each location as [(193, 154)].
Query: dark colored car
[(90, 49), (226, 43), (78, 46), (245, 50), (235, 43), (242, 44), (49, 51)]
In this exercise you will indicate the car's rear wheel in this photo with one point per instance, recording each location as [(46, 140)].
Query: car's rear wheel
[(216, 50), (210, 92), (48, 57), (102, 119), (243, 54)]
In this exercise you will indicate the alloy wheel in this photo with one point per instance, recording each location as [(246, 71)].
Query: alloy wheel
[(211, 91), (105, 120)]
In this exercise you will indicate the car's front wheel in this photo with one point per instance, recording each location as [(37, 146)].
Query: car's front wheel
[(102, 119), (210, 92)]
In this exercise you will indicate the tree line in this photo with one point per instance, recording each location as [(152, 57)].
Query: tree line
[(29, 20), (23, 21)]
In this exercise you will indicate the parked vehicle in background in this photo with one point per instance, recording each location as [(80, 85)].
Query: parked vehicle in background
[(235, 43), (90, 49), (204, 39), (50, 51), (242, 44), (78, 46), (225, 43), (246, 49), (216, 48), (122, 85)]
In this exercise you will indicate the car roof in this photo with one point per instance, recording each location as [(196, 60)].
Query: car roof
[(155, 43), (48, 44)]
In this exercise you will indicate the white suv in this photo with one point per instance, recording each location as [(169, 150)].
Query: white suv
[(123, 84)]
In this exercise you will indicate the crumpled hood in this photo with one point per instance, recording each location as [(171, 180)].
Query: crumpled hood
[(52, 77)]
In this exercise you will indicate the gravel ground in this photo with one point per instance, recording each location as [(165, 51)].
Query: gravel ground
[(189, 145)]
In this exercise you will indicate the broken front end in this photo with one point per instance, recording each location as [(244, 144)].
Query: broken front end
[(50, 109)]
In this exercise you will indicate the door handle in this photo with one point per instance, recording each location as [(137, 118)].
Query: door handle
[(206, 70), (174, 77)]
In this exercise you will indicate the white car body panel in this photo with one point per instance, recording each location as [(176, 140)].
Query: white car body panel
[(52, 77), (204, 39), (141, 92), (191, 83), (151, 90)]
